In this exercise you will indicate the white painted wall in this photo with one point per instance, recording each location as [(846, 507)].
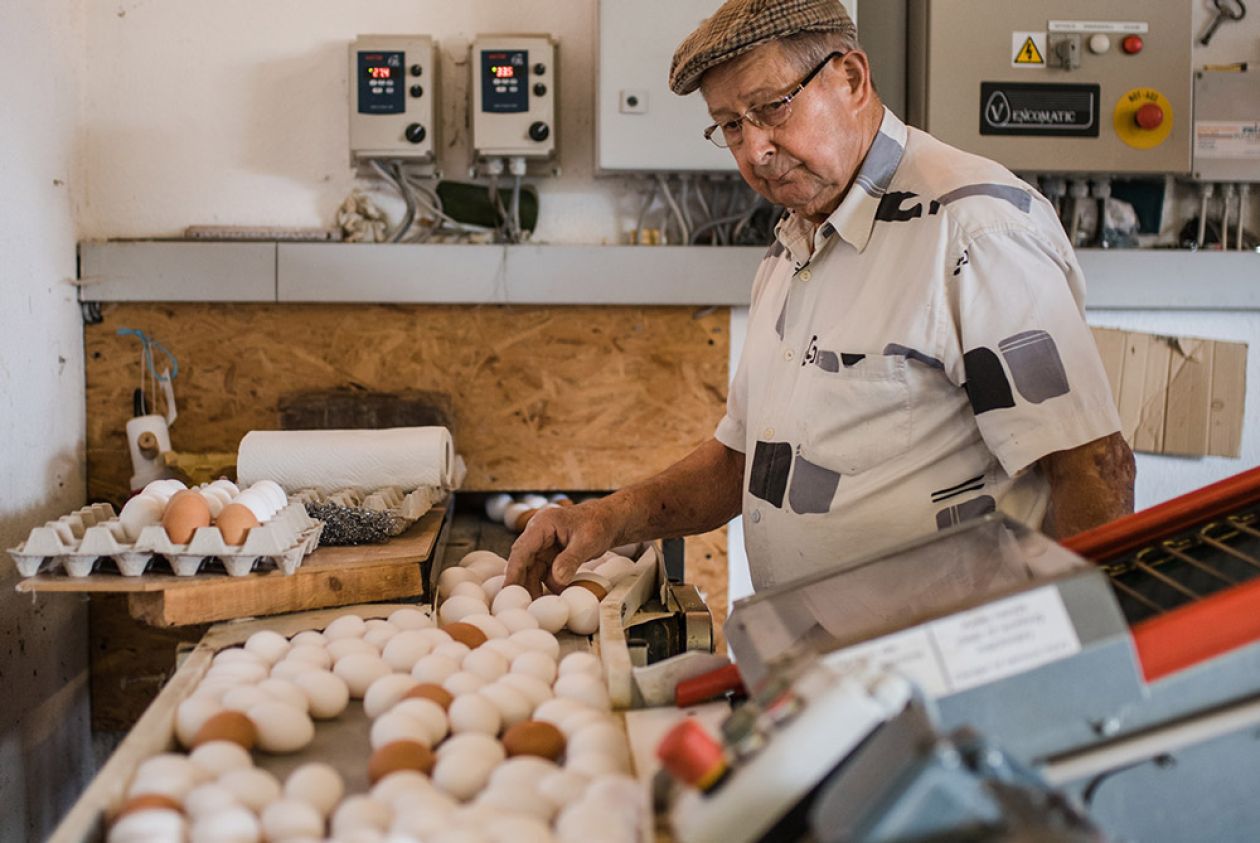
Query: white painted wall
[(45, 752)]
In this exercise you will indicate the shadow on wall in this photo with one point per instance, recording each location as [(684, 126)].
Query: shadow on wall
[(45, 735)]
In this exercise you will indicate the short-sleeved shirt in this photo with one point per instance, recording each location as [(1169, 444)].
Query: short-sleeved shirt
[(909, 370)]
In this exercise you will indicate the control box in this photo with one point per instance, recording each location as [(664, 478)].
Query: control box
[(1059, 87), (393, 98), (513, 96), (1226, 126)]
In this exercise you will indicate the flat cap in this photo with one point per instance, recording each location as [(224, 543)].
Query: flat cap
[(741, 25)]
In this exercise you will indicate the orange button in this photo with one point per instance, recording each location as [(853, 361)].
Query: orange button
[(1132, 44), (1149, 116), (691, 755)]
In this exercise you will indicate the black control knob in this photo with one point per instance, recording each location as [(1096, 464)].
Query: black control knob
[(539, 131), (416, 70), (417, 90), (539, 89), (415, 133), (540, 69)]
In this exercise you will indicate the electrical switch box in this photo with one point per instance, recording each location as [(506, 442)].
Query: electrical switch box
[(393, 98), (513, 94), (1068, 86), (1226, 126)]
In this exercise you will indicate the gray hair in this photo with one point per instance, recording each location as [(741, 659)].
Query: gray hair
[(807, 49)]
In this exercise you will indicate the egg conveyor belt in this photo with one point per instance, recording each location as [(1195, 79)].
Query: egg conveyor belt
[(80, 541)]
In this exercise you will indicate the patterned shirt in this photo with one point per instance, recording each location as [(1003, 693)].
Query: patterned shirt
[(909, 361)]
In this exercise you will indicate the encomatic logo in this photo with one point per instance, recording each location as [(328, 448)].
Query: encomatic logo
[(1037, 109)]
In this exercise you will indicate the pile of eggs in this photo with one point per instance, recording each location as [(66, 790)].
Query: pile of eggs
[(181, 511), (515, 513), (480, 733), (473, 592)]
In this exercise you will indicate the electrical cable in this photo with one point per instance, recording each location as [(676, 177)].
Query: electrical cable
[(673, 206), (719, 238), (1244, 190), (1227, 197), (515, 231), (1205, 193), (684, 197), (713, 224), (396, 234), (643, 212)]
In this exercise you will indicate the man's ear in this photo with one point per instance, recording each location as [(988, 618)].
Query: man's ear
[(857, 75)]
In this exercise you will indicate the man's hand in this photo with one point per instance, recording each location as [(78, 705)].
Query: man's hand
[(1089, 485), (556, 541)]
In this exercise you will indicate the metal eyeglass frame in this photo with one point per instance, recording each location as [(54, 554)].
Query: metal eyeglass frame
[(757, 115)]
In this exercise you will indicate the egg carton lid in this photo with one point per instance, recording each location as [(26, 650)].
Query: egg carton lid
[(291, 531)]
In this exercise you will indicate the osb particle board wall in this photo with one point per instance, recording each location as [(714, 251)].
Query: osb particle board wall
[(544, 398)]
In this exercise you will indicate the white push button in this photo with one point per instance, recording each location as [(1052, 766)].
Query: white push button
[(1099, 43)]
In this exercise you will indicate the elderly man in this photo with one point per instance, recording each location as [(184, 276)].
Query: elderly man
[(916, 352)]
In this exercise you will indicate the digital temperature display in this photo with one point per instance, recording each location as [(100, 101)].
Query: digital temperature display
[(503, 89), (380, 72), (503, 71), (381, 82)]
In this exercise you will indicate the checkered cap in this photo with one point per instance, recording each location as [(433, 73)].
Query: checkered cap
[(741, 25)]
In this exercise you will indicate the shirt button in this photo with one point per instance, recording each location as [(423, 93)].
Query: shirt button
[(768, 433), (804, 276), (787, 355), (756, 516)]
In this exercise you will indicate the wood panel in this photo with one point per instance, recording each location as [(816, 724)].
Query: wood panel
[(544, 398)]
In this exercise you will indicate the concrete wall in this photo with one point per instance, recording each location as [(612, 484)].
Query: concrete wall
[(45, 751)]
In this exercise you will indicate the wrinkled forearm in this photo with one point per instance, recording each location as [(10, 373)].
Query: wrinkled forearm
[(1089, 485)]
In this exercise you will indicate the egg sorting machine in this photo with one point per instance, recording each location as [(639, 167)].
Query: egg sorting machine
[(1132, 685)]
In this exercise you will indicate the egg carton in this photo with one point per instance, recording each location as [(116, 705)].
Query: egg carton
[(80, 542), (389, 511)]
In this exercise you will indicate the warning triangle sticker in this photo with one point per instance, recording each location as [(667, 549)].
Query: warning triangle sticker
[(1028, 53)]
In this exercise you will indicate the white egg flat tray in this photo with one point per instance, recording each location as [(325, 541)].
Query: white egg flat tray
[(406, 508), (79, 542)]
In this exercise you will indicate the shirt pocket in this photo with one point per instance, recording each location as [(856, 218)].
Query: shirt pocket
[(857, 416)]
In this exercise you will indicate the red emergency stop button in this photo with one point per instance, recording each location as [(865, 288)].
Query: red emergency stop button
[(1132, 44), (1150, 116), (692, 756)]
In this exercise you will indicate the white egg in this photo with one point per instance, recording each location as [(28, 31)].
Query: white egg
[(257, 503), (145, 826), (594, 763), (214, 503), (398, 726), (493, 586), (538, 639), (380, 636), (511, 597), (268, 645), (359, 812), (359, 670), (310, 654), (488, 567), (457, 607), (290, 668), (491, 626), (175, 784), (516, 800), (285, 691), (244, 697), (273, 492), (452, 650), (581, 662), (288, 818), (534, 689), (583, 609), (599, 739), (140, 512), (462, 775), (342, 647), (513, 512), (385, 692), (308, 637), (580, 822), (474, 743), (534, 501), (227, 485), (430, 715), (191, 714), (450, 576), (410, 619), (345, 626), (536, 664), (434, 668), (406, 785), (463, 683), (551, 612), (241, 674), (282, 728), (253, 787), (495, 504), (616, 568), (207, 798), (555, 710), (563, 787), (584, 688), (470, 589), (513, 828), (475, 713), (317, 784), (236, 655), (522, 771), (217, 757), (513, 705), (517, 619), (435, 636), (406, 649), (487, 664), (327, 693), (483, 557), (504, 647), (581, 719)]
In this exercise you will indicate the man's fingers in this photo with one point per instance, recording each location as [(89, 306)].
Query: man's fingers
[(565, 566), (540, 572), (521, 557)]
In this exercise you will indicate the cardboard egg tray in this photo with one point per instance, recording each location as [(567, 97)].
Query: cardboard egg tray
[(401, 509), (79, 544)]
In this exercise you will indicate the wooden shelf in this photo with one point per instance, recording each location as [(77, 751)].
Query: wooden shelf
[(331, 576)]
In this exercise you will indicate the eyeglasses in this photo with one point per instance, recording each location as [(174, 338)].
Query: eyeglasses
[(764, 116)]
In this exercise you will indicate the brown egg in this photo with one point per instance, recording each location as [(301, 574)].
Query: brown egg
[(534, 737), (399, 755), (430, 691), (227, 726), (592, 582), (235, 522), (523, 519), (147, 801), (466, 634), (185, 512)]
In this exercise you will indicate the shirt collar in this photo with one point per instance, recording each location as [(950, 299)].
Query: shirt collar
[(854, 219)]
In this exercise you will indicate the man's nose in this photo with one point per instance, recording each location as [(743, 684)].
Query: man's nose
[(758, 146)]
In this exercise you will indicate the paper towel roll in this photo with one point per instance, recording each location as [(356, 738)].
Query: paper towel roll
[(329, 460)]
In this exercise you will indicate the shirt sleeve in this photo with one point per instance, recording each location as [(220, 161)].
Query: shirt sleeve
[(1029, 363)]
